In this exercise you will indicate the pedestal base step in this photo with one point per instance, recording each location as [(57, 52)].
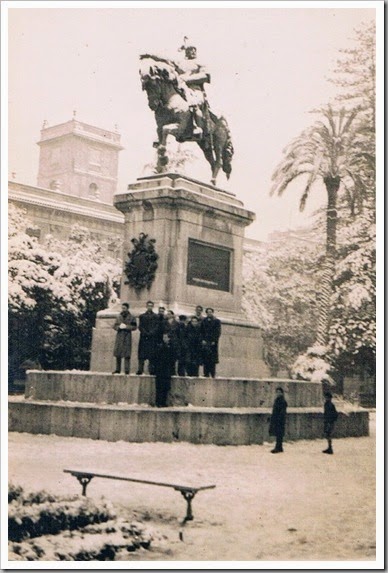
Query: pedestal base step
[(220, 392), (221, 426)]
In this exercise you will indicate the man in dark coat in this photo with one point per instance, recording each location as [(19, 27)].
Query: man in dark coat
[(124, 325), (194, 346), (164, 368), (171, 328), (211, 332), (162, 321), (278, 420), (330, 416), (182, 344), (149, 324)]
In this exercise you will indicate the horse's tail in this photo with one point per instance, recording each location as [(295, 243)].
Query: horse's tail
[(227, 151)]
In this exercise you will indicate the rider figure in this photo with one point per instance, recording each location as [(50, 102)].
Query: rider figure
[(194, 75)]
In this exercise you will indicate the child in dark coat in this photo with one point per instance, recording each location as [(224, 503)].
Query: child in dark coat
[(164, 369), (330, 416), (278, 420)]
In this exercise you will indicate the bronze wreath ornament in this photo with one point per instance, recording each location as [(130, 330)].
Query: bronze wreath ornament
[(140, 268)]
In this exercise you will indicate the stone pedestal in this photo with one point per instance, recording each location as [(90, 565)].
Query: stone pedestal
[(223, 411), (198, 425), (199, 232)]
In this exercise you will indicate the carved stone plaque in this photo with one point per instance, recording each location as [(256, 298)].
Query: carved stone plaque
[(208, 266)]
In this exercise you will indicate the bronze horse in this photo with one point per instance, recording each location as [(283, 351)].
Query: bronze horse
[(174, 117)]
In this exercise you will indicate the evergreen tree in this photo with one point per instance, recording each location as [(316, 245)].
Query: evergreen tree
[(56, 289), (355, 73), (280, 286), (355, 78), (326, 153)]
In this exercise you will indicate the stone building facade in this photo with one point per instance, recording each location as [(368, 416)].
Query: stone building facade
[(53, 212), (77, 178), (79, 159)]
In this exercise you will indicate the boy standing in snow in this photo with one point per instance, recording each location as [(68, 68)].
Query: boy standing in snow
[(278, 420), (330, 416)]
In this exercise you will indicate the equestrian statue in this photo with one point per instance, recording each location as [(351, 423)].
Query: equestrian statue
[(176, 94)]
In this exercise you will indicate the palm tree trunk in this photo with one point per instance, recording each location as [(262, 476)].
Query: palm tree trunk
[(332, 185)]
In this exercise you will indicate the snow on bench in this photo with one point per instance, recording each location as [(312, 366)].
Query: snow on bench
[(188, 492)]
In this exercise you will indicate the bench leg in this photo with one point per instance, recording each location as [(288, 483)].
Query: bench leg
[(84, 481), (188, 495)]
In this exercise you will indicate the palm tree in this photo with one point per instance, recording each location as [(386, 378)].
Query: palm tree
[(327, 152)]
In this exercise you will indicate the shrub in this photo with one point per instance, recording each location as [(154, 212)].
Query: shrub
[(43, 526)]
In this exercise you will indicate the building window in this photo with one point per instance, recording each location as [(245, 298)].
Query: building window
[(93, 191), (55, 185), (55, 155), (95, 157)]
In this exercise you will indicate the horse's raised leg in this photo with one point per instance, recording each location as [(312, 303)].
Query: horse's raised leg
[(215, 171), (216, 166), (160, 145), (163, 133), (208, 153)]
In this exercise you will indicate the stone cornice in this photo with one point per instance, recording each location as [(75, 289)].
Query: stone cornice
[(94, 174), (177, 180), (86, 136), (176, 198), (82, 130), (51, 199)]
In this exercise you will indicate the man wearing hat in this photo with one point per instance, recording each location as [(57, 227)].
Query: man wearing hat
[(124, 325), (149, 326), (210, 332)]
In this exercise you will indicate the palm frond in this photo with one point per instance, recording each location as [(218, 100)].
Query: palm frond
[(341, 117), (303, 199), (281, 184), (350, 119), (329, 114), (334, 146)]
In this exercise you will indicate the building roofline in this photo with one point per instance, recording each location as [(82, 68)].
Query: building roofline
[(80, 129), (51, 199)]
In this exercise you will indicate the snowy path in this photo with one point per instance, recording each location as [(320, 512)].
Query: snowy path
[(301, 505)]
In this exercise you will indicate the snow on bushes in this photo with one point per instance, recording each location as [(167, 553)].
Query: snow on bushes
[(55, 291), (353, 325), (280, 287), (313, 365), (281, 291), (33, 520), (43, 526), (105, 543)]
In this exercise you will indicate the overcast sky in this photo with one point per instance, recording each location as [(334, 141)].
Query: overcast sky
[(268, 65)]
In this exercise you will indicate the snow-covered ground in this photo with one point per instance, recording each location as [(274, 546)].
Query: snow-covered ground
[(299, 505)]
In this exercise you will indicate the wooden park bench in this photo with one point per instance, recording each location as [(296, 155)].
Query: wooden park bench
[(187, 491)]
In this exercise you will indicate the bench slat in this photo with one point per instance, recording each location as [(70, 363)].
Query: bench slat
[(122, 478)]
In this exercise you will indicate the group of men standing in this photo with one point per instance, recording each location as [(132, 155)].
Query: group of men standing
[(180, 347), (169, 345)]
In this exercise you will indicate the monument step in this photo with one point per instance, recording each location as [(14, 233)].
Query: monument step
[(219, 392), (199, 425)]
